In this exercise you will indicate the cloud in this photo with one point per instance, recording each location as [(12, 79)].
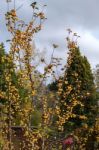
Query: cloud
[(79, 15), (90, 47)]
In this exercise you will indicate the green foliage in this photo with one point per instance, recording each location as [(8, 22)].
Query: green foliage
[(36, 118), (2, 67), (79, 76)]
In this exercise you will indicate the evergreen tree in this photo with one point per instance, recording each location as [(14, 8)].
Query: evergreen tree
[(78, 79), (79, 76), (2, 66), (5, 65)]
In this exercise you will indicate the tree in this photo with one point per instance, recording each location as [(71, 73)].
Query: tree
[(78, 102), (8, 86), (21, 95), (79, 76), (2, 67)]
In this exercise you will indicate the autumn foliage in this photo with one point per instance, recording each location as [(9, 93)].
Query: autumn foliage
[(32, 116)]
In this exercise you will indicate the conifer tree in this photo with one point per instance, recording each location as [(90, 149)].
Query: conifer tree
[(79, 77), (2, 66), (78, 80)]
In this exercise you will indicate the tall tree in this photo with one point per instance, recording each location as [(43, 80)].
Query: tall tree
[(2, 66), (78, 80)]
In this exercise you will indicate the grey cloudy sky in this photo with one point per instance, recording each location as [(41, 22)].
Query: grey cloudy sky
[(82, 16)]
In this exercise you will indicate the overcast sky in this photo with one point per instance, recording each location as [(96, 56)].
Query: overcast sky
[(82, 16)]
